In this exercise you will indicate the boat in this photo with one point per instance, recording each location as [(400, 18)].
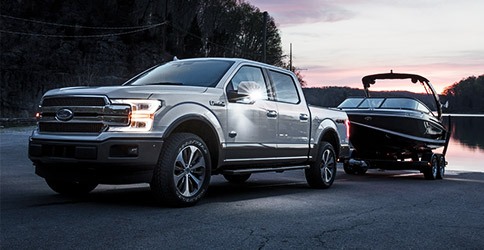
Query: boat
[(396, 132)]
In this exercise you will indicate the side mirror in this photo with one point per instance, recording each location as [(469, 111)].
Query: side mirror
[(248, 92), (248, 88), (233, 95)]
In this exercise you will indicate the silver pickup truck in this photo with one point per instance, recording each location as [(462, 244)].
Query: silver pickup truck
[(176, 124)]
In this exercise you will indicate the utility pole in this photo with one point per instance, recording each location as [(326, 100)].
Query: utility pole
[(290, 57), (264, 31), (164, 30)]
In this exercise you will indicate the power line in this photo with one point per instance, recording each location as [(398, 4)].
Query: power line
[(138, 29), (78, 26), (84, 36)]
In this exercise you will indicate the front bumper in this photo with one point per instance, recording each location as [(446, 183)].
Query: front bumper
[(110, 161)]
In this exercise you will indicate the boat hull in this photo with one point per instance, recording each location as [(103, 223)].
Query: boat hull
[(394, 134)]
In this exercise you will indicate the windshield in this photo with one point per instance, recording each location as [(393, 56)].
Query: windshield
[(404, 103), (351, 102), (384, 103), (203, 73), (371, 103)]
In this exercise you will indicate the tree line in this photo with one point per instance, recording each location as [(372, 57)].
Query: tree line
[(465, 96), (48, 44)]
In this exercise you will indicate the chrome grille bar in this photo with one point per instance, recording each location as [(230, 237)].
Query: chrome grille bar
[(85, 118)]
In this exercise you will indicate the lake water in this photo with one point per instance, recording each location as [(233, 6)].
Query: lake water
[(466, 147)]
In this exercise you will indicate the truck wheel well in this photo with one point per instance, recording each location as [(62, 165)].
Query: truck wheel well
[(331, 137), (204, 131)]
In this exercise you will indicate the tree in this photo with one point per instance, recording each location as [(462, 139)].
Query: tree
[(466, 96), (31, 65)]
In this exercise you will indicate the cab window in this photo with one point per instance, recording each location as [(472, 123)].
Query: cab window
[(284, 88)]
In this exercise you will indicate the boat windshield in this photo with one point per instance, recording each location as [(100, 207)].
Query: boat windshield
[(352, 102), (404, 103), (383, 103), (371, 103)]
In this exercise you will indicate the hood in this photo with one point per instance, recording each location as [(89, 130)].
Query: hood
[(135, 92)]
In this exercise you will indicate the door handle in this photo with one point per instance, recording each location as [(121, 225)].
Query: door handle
[(303, 117), (272, 113)]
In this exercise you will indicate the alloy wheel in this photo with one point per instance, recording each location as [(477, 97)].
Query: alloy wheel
[(328, 165), (189, 171)]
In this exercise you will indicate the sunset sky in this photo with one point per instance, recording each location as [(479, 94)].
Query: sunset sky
[(337, 42)]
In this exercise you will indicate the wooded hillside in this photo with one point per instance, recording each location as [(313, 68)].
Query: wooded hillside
[(466, 96), (47, 44)]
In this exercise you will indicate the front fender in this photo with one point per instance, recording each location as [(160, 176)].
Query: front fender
[(185, 111)]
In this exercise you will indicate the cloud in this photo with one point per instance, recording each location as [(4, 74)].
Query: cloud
[(336, 42), (288, 12)]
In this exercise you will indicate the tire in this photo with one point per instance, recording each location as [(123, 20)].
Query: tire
[(237, 178), (71, 188), (441, 168), (354, 171), (322, 172), (183, 171), (430, 173)]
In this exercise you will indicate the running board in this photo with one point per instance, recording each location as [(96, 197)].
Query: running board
[(261, 170)]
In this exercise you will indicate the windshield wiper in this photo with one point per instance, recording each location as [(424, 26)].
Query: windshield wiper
[(164, 83)]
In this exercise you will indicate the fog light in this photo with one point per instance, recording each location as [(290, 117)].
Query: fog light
[(124, 151)]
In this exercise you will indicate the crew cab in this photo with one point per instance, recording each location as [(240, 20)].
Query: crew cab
[(177, 124)]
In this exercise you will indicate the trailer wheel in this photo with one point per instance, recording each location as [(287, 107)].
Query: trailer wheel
[(430, 173), (354, 170), (441, 168), (322, 172)]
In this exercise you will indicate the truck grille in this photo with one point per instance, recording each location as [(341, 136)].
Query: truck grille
[(71, 127), (81, 114)]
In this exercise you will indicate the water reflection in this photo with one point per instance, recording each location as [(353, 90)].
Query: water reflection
[(468, 131), (466, 147)]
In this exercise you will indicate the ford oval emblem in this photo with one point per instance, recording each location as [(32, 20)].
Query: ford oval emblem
[(64, 114)]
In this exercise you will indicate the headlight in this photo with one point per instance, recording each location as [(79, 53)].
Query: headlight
[(141, 116)]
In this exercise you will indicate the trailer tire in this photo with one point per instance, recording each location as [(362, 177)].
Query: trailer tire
[(430, 173), (441, 168)]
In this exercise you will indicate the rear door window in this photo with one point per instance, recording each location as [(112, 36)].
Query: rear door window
[(284, 87)]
